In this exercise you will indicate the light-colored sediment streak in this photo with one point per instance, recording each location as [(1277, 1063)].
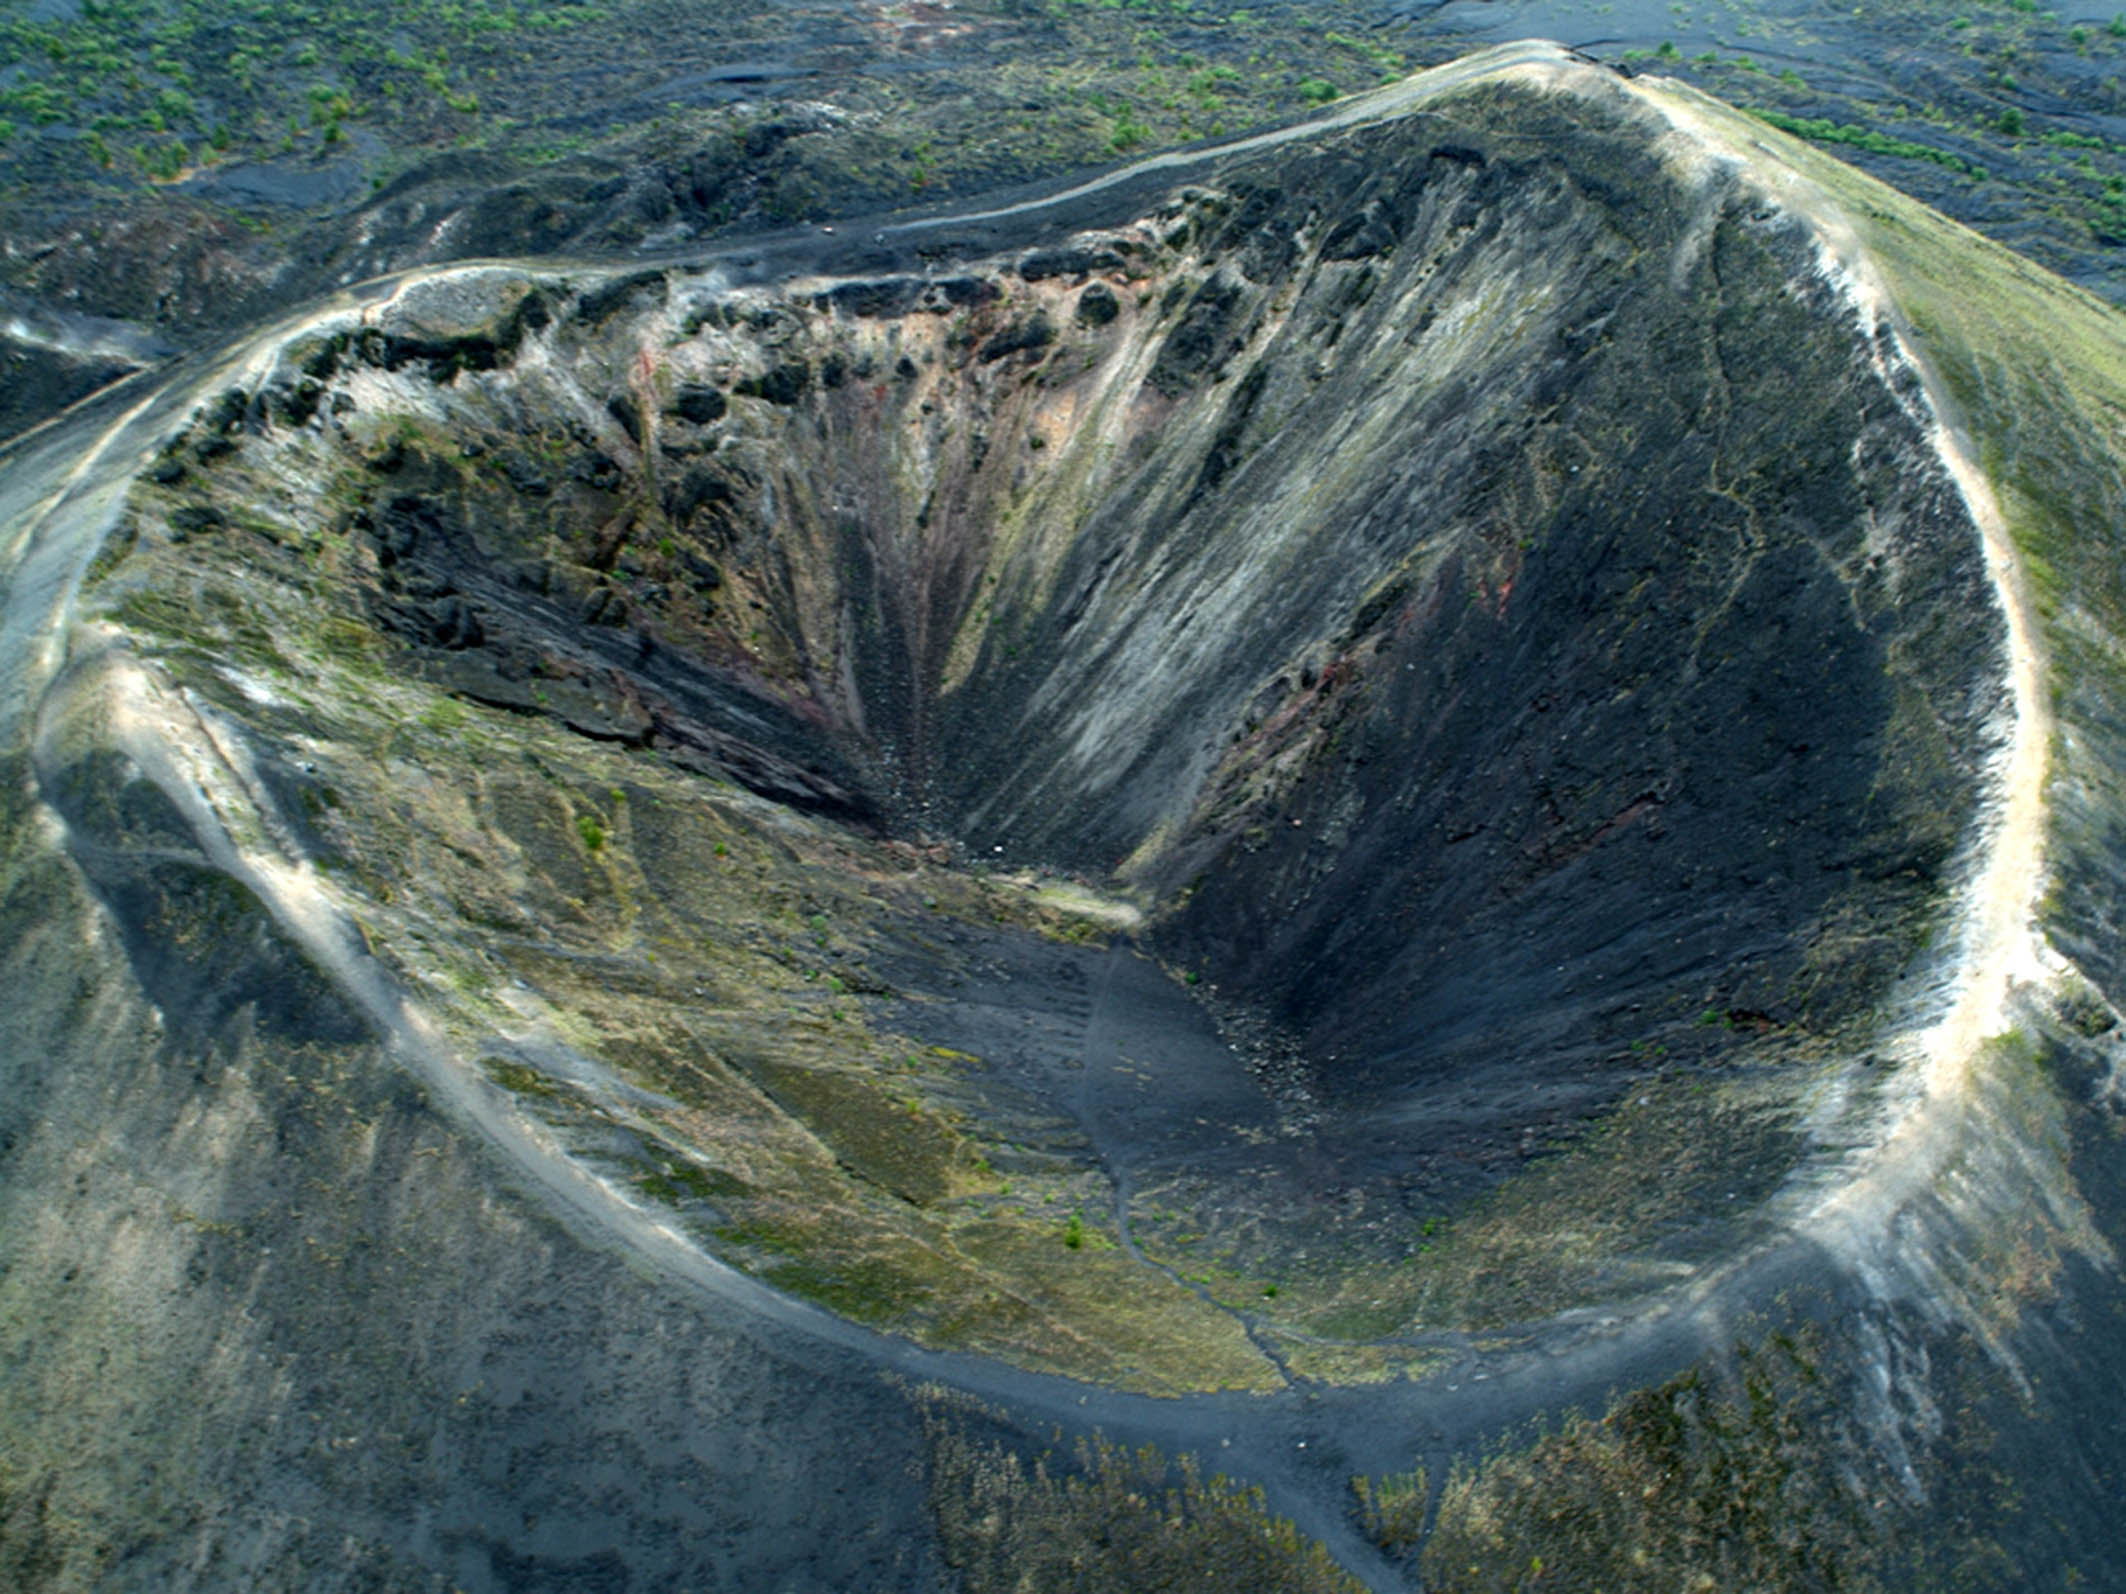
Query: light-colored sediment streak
[(84, 337), (2003, 943), (1999, 943)]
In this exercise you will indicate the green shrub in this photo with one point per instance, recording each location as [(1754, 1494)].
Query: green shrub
[(1821, 130)]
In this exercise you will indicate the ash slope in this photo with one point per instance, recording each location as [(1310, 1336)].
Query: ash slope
[(1480, 575)]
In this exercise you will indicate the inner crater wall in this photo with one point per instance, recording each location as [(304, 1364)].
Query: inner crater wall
[(1494, 594)]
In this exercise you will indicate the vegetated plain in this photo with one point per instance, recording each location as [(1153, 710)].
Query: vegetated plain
[(188, 166)]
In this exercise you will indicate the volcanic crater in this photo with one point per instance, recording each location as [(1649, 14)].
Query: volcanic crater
[(1209, 781)]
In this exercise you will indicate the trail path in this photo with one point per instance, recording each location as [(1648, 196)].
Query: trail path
[(59, 485), (1998, 941)]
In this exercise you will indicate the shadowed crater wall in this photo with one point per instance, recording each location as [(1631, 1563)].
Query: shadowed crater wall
[(1532, 613)]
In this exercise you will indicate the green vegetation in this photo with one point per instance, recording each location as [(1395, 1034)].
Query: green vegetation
[(1391, 1509), (520, 1079), (1820, 131), (680, 1183), (1750, 1472), (1672, 1481), (269, 73), (286, 79), (1103, 1519)]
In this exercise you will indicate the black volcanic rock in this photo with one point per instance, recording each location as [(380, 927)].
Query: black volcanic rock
[(698, 403), (1097, 305)]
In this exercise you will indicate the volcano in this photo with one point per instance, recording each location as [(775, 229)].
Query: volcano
[(1360, 858)]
